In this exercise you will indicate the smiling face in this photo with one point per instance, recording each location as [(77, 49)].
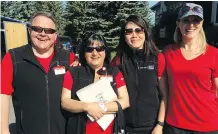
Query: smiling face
[(136, 39), (190, 27), (42, 41), (95, 55)]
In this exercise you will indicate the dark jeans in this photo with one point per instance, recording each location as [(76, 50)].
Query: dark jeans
[(146, 129), (168, 129)]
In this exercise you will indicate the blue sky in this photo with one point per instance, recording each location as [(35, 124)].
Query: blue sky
[(151, 3)]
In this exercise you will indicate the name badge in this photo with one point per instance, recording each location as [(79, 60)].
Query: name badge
[(59, 70)]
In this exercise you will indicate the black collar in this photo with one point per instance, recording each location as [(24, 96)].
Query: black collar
[(29, 56)]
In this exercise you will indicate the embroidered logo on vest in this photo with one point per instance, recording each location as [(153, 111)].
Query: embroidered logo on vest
[(149, 67)]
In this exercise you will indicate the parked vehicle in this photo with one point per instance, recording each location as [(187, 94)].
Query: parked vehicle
[(65, 42)]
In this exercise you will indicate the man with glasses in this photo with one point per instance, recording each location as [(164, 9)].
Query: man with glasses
[(32, 75)]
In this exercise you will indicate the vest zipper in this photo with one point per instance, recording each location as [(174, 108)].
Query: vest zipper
[(48, 113), (21, 119), (137, 92)]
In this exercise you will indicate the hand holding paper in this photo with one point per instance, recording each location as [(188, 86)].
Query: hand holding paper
[(98, 92), (95, 111)]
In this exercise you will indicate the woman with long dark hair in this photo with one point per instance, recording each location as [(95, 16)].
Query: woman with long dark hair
[(143, 68)]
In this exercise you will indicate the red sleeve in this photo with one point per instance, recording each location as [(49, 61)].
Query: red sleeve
[(161, 65), (215, 70), (119, 80), (68, 81), (72, 57), (7, 75)]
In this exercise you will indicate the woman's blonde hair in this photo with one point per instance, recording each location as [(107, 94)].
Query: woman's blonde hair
[(201, 38)]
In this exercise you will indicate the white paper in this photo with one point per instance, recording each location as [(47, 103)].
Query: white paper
[(100, 91)]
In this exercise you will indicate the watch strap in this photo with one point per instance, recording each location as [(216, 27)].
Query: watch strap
[(160, 123)]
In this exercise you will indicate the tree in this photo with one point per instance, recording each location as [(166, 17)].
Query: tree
[(22, 10), (104, 17), (86, 18), (75, 29)]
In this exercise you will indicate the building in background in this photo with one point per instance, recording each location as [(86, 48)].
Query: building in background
[(13, 33)]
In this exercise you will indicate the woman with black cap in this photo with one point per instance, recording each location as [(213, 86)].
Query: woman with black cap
[(192, 68)]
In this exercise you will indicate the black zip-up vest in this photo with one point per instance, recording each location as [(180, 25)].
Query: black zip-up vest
[(83, 76), (142, 85), (36, 96)]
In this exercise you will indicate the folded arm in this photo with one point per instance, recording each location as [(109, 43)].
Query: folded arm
[(76, 106), (122, 98)]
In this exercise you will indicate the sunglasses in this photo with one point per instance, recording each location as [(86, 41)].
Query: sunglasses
[(195, 9), (195, 20), (137, 31), (91, 49), (39, 29)]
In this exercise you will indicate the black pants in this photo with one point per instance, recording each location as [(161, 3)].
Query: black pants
[(168, 129), (146, 129)]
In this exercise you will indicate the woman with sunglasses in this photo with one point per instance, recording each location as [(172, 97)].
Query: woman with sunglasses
[(143, 68), (192, 68), (94, 59)]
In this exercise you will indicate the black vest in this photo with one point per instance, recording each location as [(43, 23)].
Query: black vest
[(36, 96), (83, 76), (142, 85)]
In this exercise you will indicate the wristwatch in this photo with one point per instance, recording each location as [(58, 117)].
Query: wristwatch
[(160, 123)]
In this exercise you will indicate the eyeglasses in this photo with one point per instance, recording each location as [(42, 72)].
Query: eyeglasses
[(186, 9), (137, 31), (91, 49), (195, 20), (39, 29)]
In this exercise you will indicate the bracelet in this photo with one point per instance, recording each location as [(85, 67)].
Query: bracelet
[(160, 123), (103, 106)]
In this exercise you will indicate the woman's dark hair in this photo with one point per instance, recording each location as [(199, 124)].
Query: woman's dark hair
[(89, 41), (148, 46)]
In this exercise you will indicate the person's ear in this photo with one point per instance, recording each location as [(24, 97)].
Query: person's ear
[(202, 21), (29, 30), (177, 24), (56, 35)]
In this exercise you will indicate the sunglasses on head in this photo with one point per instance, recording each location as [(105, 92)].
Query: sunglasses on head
[(137, 31), (195, 9), (39, 29), (195, 20), (91, 49)]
